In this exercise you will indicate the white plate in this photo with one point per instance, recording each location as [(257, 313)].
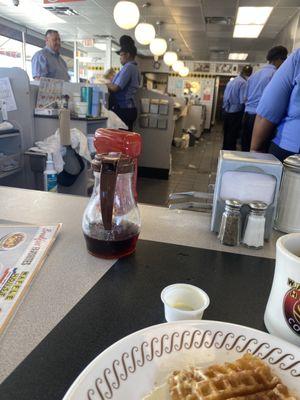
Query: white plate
[(130, 368)]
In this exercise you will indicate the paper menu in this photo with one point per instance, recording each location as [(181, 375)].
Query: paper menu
[(7, 95), (50, 91), (23, 250)]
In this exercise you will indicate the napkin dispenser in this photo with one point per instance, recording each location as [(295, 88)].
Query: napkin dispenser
[(246, 177)]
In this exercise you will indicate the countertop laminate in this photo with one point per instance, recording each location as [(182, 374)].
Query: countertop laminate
[(70, 266), (127, 299)]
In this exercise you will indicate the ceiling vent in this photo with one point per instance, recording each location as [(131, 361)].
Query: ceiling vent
[(219, 20), (66, 11), (104, 36), (218, 52)]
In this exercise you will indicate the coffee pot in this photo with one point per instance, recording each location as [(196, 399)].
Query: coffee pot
[(111, 221)]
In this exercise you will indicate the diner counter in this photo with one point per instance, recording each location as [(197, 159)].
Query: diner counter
[(73, 118), (70, 272)]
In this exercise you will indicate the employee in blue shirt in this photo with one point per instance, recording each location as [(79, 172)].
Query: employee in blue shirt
[(255, 88), (125, 84), (233, 108), (278, 112), (48, 62)]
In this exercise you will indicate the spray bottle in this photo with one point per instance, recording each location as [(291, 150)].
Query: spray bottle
[(50, 175)]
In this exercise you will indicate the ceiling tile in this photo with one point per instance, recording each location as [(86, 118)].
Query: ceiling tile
[(217, 8), (187, 11), (194, 21), (178, 3), (191, 28), (257, 3), (183, 21), (288, 3)]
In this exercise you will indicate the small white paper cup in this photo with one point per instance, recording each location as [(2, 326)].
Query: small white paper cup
[(184, 302)]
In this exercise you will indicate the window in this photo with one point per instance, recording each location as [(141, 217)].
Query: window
[(10, 53), (30, 52), (70, 64)]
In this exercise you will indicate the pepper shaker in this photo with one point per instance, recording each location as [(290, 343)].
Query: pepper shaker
[(230, 229), (255, 225)]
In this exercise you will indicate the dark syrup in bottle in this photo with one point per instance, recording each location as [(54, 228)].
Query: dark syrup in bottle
[(123, 245)]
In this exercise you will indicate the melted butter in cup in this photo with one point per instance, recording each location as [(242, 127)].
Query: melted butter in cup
[(184, 302)]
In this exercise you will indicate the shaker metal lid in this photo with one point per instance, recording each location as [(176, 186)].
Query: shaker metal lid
[(293, 162), (233, 203), (124, 163), (258, 205)]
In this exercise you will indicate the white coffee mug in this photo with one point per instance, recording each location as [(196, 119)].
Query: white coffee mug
[(282, 315)]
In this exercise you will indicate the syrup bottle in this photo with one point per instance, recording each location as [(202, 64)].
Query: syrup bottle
[(111, 221)]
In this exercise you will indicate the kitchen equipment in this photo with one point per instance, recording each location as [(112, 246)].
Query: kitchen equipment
[(282, 315), (81, 109), (111, 222), (288, 211), (254, 232), (64, 127), (246, 177), (87, 97), (230, 229), (96, 102), (114, 140)]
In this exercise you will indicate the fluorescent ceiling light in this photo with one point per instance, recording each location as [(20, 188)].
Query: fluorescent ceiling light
[(253, 15), (100, 46), (247, 31), (238, 56)]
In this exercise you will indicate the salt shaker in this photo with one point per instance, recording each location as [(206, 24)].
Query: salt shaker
[(230, 229), (255, 225)]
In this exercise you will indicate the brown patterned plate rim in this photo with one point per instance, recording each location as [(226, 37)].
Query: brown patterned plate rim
[(189, 335)]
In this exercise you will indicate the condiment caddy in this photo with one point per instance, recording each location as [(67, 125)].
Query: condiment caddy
[(230, 231), (255, 225)]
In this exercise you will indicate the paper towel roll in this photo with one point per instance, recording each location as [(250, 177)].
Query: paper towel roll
[(64, 127)]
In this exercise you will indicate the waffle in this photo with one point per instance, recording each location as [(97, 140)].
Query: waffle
[(248, 378)]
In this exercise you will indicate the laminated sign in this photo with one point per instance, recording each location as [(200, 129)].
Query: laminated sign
[(23, 250)]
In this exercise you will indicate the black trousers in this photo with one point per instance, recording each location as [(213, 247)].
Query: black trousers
[(232, 123), (127, 115), (278, 152), (248, 125)]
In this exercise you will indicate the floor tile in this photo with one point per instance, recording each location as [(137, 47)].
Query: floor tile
[(193, 169)]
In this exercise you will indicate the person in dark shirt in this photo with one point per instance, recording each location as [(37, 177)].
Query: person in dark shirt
[(125, 84)]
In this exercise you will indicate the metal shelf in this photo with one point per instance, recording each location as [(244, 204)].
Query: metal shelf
[(9, 135), (8, 173)]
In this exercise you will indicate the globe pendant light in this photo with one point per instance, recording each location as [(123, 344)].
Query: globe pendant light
[(158, 46), (184, 71), (177, 66), (170, 57), (126, 14), (144, 33)]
